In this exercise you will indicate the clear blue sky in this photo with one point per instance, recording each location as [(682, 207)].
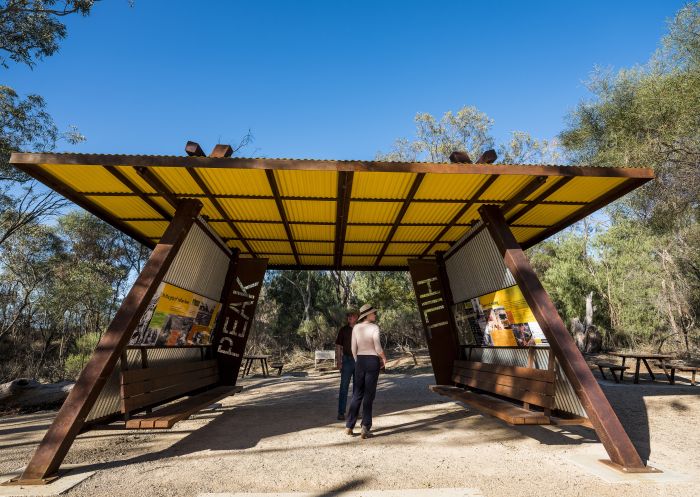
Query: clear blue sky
[(327, 79)]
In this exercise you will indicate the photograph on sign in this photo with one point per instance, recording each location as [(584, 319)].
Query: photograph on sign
[(499, 319), (176, 317)]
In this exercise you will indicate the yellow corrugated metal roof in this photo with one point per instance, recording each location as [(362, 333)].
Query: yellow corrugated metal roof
[(236, 181), (313, 232), (373, 212), (268, 231), (353, 248), (307, 183), (381, 185), (382, 217)]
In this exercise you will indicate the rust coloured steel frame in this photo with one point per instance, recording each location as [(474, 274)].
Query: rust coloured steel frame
[(19, 158), (601, 414), (71, 417), (433, 297)]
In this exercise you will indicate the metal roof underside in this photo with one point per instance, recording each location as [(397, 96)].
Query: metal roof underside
[(329, 214)]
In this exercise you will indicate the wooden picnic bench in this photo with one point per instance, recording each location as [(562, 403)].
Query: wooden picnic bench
[(250, 359), (145, 388), (674, 366), (612, 367), (642, 357)]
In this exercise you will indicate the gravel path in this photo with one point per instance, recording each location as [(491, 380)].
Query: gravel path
[(280, 434)]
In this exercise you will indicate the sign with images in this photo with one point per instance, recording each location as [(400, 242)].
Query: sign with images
[(176, 317), (500, 318)]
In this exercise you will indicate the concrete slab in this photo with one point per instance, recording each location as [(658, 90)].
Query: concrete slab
[(422, 492), (69, 476), (590, 459)]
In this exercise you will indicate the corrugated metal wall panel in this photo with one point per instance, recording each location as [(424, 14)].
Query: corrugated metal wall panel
[(565, 398), (200, 266), (476, 268), (109, 401)]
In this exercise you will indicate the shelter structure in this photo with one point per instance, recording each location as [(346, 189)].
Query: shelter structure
[(216, 223)]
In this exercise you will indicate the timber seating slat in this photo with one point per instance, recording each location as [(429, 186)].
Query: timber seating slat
[(166, 417), (136, 375), (501, 409), (518, 391), (150, 386), (164, 394), (521, 382), (498, 389), (158, 383), (532, 373)]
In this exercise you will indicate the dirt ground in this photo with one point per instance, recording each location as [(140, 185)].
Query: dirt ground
[(280, 434)]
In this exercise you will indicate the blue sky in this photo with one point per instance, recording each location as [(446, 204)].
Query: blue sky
[(337, 80)]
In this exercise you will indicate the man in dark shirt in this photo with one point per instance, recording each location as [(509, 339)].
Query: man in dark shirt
[(344, 360)]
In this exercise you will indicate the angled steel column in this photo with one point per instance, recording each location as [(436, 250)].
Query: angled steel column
[(432, 294), (242, 289), (71, 417), (601, 414)]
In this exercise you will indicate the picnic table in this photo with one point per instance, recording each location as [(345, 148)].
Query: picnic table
[(643, 357), (249, 359)]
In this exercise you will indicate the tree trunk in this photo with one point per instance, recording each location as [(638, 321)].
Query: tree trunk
[(593, 340), (579, 334), (25, 392)]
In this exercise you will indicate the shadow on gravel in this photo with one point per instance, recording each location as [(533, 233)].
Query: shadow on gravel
[(276, 409)]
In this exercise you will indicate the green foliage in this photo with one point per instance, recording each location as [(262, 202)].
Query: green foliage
[(646, 264), (31, 29), (57, 284), (82, 350), (467, 130)]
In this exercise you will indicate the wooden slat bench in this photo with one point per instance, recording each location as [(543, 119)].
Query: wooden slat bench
[(531, 386), (674, 366), (152, 386), (612, 367)]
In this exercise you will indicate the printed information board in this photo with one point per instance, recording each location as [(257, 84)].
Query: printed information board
[(499, 319), (175, 318)]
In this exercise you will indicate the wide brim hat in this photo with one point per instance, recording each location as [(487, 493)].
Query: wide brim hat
[(365, 311)]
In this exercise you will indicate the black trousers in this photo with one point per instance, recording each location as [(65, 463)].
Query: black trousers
[(364, 389)]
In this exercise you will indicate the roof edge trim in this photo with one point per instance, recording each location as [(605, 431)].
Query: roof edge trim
[(36, 159)]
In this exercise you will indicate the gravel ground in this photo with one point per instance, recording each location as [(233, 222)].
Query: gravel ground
[(280, 434)]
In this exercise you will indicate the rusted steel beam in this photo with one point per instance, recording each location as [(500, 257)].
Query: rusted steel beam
[(342, 210), (485, 186), (220, 209), (606, 423), (160, 187), (194, 150), (458, 157), (530, 187), (140, 193), (399, 217), (325, 165), (527, 190), (243, 283), (221, 150), (540, 198), (71, 417), (488, 157), (79, 199), (323, 199), (431, 290), (617, 192), (283, 214)]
